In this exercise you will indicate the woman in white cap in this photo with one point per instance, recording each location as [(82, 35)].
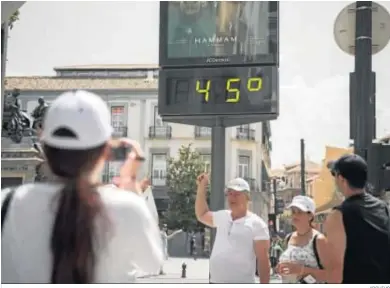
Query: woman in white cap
[(71, 230), (305, 260)]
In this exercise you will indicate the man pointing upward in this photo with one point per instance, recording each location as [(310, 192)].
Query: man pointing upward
[(242, 237)]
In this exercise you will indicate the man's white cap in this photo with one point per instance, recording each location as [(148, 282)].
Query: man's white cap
[(238, 184), (304, 203), (83, 113)]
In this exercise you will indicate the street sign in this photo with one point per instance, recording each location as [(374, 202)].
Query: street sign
[(218, 59), (378, 161)]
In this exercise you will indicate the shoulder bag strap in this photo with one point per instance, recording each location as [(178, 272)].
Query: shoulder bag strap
[(287, 239), (5, 205), (316, 252)]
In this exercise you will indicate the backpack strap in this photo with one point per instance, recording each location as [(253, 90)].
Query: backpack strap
[(5, 205), (316, 252)]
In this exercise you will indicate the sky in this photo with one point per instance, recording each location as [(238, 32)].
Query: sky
[(314, 72)]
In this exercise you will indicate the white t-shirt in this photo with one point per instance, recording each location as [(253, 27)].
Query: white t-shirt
[(233, 259), (132, 242)]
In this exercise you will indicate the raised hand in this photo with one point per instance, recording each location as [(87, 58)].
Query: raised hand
[(203, 179)]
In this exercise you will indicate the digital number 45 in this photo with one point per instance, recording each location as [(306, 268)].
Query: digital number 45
[(253, 84)]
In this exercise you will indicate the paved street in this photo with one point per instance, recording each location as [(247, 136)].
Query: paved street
[(197, 272)]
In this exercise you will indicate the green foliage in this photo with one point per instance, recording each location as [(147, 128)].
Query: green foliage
[(181, 181), (14, 17)]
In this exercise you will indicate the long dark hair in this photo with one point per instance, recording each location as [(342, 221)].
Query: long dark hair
[(72, 238), (311, 222)]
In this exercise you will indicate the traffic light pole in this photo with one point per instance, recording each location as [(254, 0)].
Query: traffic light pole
[(218, 146), (363, 100), (303, 169), (274, 184)]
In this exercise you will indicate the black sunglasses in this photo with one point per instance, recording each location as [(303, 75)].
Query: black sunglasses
[(334, 173)]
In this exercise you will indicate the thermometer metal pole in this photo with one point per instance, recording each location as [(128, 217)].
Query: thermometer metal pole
[(217, 191)]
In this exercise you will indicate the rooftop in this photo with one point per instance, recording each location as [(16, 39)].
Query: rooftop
[(311, 179), (277, 172), (46, 83), (108, 67), (385, 138), (310, 166), (114, 77)]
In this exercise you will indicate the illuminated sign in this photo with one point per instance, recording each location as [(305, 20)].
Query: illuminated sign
[(232, 90)]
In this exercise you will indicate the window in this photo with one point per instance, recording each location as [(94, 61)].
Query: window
[(243, 166), (118, 120), (245, 127), (206, 159), (118, 116), (159, 169), (205, 131), (113, 170), (243, 131), (157, 121), (292, 181), (105, 176)]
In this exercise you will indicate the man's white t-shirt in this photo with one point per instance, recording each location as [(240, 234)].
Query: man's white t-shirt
[(233, 259), (132, 242)]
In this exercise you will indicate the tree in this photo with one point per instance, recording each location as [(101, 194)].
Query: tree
[(181, 181), (14, 17)]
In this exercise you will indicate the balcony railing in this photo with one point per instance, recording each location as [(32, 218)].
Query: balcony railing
[(120, 131), (245, 134), (202, 132), (158, 181), (160, 132)]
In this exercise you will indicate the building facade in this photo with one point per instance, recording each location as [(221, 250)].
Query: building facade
[(131, 93), (289, 180), (289, 185)]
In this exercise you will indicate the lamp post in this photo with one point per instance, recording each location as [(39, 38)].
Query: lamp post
[(362, 29), (277, 204), (303, 168)]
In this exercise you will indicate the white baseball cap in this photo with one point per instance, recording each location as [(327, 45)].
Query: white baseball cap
[(83, 113), (304, 203), (238, 184)]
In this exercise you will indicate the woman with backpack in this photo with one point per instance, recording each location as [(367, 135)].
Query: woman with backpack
[(306, 258)]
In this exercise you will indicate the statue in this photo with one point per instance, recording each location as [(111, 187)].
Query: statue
[(39, 113), (39, 173), (42, 170), (15, 120)]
